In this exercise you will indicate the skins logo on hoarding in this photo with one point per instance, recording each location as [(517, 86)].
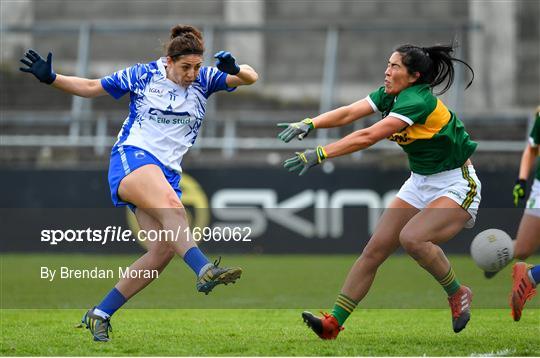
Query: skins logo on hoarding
[(256, 207)]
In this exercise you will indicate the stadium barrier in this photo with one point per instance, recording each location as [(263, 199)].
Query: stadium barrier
[(278, 212)]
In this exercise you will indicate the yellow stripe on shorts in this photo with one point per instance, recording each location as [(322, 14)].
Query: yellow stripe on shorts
[(472, 188)]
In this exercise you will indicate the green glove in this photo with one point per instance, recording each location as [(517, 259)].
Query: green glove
[(297, 129), (309, 158), (519, 191)]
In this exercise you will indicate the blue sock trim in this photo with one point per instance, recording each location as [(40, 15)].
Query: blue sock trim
[(112, 302), (195, 259), (535, 273)]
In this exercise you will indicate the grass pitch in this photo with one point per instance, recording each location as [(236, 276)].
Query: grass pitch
[(276, 332), (405, 313)]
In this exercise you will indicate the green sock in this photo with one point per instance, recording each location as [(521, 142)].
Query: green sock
[(450, 283), (343, 307)]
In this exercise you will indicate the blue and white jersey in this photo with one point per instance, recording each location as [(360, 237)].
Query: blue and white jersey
[(164, 118)]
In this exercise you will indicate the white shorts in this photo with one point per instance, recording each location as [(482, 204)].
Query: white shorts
[(533, 204), (460, 184)]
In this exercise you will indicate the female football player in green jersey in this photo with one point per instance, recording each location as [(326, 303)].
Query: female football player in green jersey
[(438, 148), (528, 237), (526, 277)]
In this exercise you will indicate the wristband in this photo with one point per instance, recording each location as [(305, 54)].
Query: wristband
[(309, 122), (321, 154)]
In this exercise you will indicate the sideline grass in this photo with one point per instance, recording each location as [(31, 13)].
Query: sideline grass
[(277, 332)]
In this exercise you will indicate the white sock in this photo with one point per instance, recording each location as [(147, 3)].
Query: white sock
[(204, 268), (101, 314), (529, 273)]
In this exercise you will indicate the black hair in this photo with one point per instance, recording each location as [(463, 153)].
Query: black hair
[(434, 64)]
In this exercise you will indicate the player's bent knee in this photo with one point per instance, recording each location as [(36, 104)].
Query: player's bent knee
[(169, 216), (172, 200), (410, 242)]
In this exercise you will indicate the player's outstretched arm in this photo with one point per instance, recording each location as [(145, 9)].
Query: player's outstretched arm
[(343, 115), (42, 69), (364, 138), (336, 118), (78, 86), (361, 139), (239, 75)]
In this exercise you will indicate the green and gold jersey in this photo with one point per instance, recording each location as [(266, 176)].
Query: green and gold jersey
[(534, 140), (433, 137)]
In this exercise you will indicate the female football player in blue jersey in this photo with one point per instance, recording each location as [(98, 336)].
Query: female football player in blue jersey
[(167, 106), (440, 198)]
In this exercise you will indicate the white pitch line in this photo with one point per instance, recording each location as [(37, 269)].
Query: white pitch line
[(501, 353)]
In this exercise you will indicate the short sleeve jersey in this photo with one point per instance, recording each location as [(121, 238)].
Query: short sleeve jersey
[(534, 140), (433, 137), (164, 118)]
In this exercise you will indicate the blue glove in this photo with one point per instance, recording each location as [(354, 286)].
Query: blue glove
[(305, 160), (38, 66), (226, 63)]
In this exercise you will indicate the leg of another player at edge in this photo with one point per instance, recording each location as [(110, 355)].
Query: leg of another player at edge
[(157, 257), (438, 223), (383, 243), (534, 275), (527, 238)]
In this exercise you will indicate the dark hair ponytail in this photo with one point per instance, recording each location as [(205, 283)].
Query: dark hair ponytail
[(435, 64), (184, 40)]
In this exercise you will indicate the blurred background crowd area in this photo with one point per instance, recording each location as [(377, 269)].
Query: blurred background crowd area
[(311, 56)]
